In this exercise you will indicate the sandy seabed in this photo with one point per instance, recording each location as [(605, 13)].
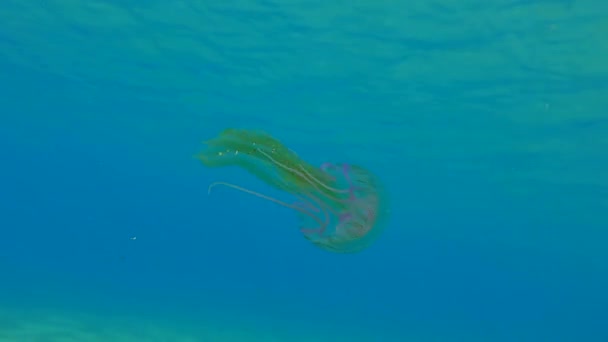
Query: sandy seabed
[(44, 325)]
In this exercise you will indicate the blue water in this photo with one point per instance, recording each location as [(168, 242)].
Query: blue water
[(486, 121)]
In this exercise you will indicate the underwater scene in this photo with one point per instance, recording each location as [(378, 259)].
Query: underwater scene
[(303, 170)]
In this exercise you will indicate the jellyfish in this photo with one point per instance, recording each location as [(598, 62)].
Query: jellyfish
[(341, 207)]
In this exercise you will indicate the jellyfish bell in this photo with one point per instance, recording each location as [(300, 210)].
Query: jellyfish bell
[(357, 214), (341, 207)]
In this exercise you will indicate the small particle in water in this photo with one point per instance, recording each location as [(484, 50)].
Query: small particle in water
[(133, 238)]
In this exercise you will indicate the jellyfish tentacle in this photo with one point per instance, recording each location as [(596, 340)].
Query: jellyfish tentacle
[(266, 197), (324, 208), (343, 191), (346, 173), (321, 208), (326, 166), (301, 175), (302, 204), (318, 201)]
